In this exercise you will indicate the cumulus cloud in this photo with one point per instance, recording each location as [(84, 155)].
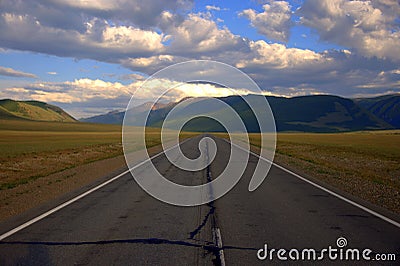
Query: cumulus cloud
[(154, 88), (126, 38), (79, 90), (149, 62), (274, 22), (99, 41), (278, 56), (85, 90), (369, 27), (6, 71), (193, 37), (100, 30), (198, 35), (330, 72)]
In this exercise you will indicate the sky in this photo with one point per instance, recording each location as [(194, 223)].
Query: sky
[(90, 56)]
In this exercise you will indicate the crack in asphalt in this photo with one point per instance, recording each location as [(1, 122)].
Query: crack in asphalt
[(198, 229), (150, 241)]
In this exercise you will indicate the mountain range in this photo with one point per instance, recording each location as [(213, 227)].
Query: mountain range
[(317, 113), (385, 107)]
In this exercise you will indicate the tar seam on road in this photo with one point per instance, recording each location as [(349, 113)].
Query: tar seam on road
[(69, 202), (374, 213)]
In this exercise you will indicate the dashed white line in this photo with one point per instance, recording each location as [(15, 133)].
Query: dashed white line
[(218, 239)]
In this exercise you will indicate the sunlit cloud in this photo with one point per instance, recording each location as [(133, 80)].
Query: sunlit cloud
[(274, 22), (6, 71), (370, 27)]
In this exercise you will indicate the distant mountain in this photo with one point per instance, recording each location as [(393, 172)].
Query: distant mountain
[(114, 117), (322, 113), (117, 117), (318, 113), (33, 110), (385, 107)]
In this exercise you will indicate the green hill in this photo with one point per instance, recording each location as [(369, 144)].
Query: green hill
[(322, 113), (385, 107), (32, 110)]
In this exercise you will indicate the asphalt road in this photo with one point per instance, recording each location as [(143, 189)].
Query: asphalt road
[(120, 224)]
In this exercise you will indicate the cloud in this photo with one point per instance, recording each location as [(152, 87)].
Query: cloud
[(215, 8), (147, 36), (134, 76), (278, 56), (79, 90), (99, 41), (38, 94), (85, 90), (369, 27), (152, 64), (331, 72), (274, 22), (148, 62), (71, 15), (6, 71), (154, 88), (52, 73), (125, 38), (198, 35)]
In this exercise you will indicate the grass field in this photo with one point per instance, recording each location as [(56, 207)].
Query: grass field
[(30, 137), (30, 150), (365, 164)]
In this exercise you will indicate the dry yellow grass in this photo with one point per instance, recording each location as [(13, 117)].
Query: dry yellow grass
[(365, 164), (30, 150)]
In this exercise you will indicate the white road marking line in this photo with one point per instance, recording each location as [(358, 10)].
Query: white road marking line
[(219, 245), (69, 202), (65, 204), (374, 213)]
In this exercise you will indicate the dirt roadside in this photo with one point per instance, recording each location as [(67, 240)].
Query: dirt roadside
[(26, 196)]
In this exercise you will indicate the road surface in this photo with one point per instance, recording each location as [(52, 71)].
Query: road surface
[(120, 224)]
